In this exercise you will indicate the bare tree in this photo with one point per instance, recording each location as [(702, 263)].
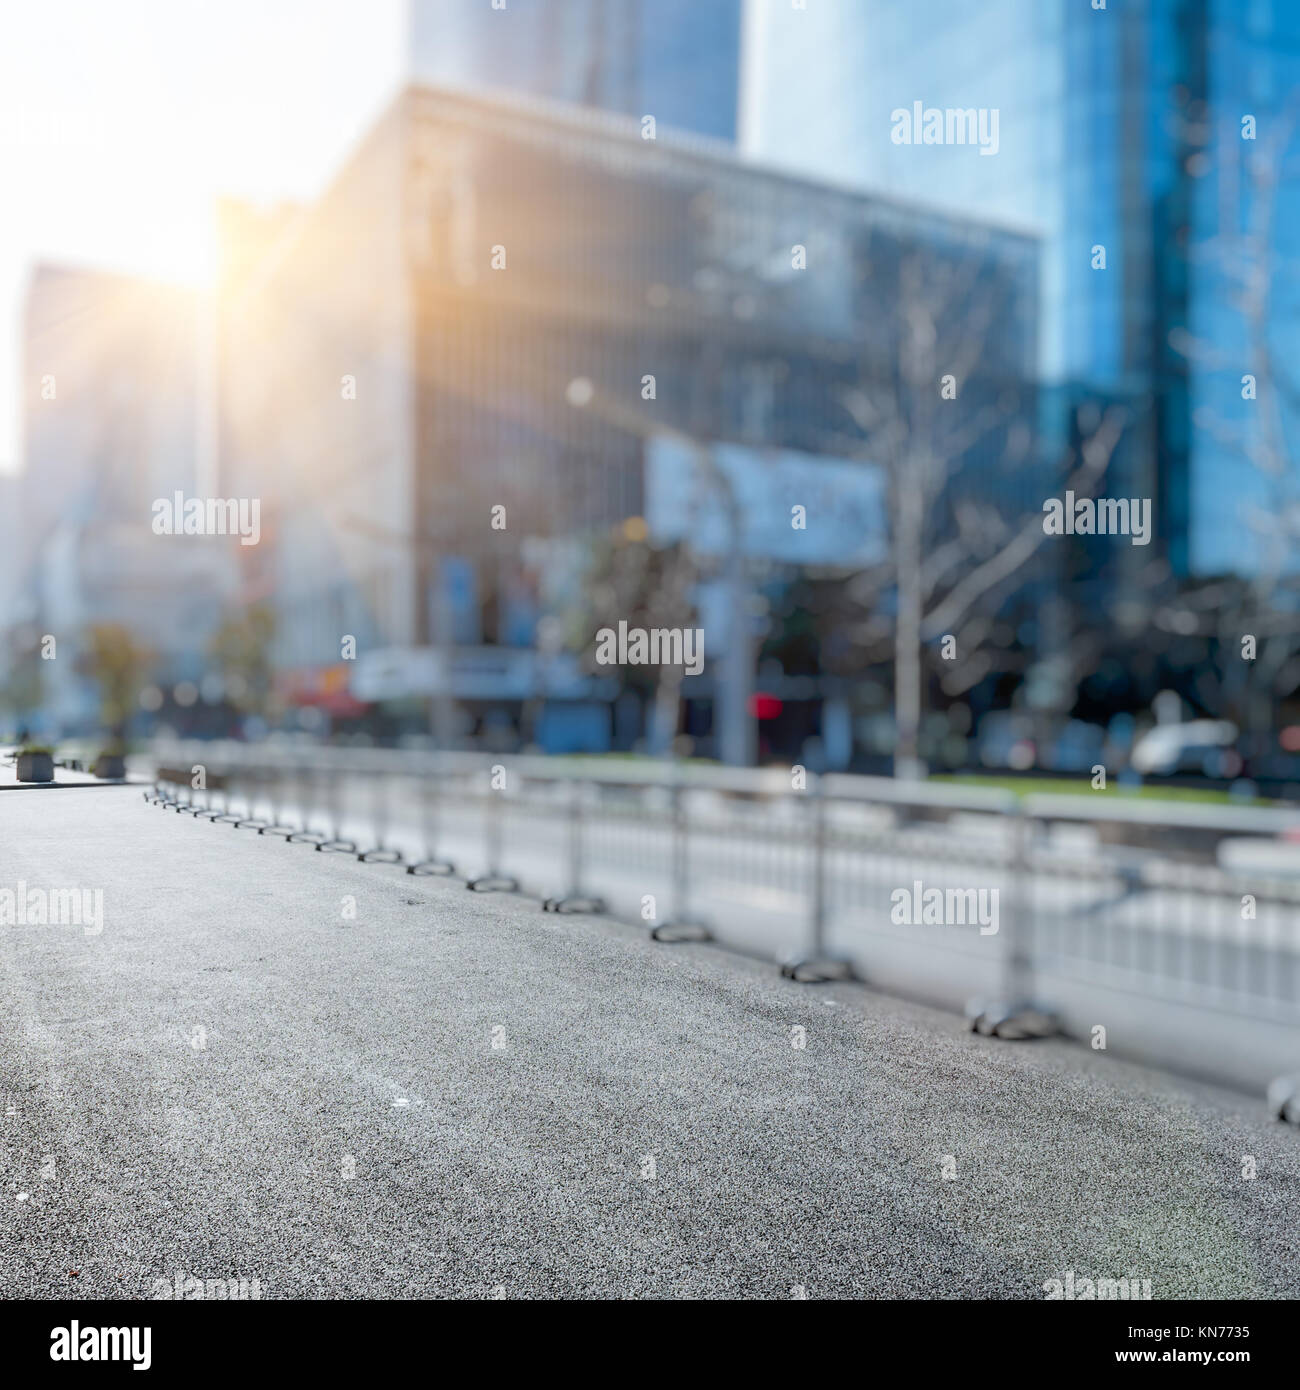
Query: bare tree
[(952, 401), (630, 580)]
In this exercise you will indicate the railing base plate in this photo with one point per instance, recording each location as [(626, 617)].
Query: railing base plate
[(380, 856), (680, 931), (823, 970), (431, 868), (1284, 1099), (493, 883), (573, 902), (1014, 1022)]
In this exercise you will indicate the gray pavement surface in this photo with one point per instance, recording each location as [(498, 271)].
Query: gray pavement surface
[(1167, 964), (236, 1080)]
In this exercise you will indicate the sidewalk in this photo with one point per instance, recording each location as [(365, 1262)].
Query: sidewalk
[(197, 1080)]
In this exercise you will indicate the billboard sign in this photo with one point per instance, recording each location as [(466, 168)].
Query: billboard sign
[(843, 521)]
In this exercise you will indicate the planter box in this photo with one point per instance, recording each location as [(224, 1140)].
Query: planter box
[(110, 766), (36, 767)]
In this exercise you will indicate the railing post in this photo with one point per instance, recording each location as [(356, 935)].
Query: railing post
[(1015, 1014), (249, 820), (275, 787), (816, 965), (337, 842), (493, 879), (679, 926), (224, 769), (817, 927), (573, 899), (429, 791), (306, 794), (191, 802), (381, 853)]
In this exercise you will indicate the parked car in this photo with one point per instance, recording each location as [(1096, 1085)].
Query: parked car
[(1201, 745)]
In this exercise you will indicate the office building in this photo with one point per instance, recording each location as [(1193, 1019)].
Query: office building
[(674, 60), (486, 343)]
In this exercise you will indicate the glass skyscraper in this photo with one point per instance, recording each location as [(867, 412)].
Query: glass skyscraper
[(1245, 207), (1119, 142), (675, 60)]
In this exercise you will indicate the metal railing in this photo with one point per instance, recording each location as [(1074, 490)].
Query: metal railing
[(1121, 922)]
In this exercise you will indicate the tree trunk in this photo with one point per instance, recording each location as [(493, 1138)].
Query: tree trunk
[(665, 712)]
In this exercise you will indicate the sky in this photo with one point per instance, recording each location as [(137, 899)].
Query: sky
[(121, 123)]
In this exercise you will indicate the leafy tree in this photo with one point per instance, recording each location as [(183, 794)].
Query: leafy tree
[(23, 690), (241, 650), (117, 663)]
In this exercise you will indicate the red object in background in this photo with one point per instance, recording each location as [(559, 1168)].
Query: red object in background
[(765, 706), (1289, 738), (325, 687)]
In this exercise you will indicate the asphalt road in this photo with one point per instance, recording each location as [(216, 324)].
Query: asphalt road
[(1156, 950), (235, 1080)]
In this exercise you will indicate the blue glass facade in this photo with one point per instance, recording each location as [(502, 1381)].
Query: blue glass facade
[(676, 60), (1244, 482), (1118, 128)]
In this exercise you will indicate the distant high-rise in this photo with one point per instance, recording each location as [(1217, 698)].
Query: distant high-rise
[(675, 60), (1120, 142), (109, 426), (109, 400)]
